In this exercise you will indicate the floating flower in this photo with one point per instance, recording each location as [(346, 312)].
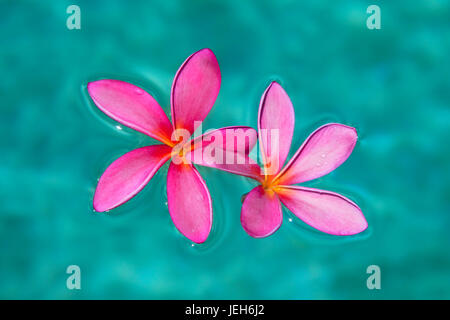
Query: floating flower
[(194, 91), (324, 150)]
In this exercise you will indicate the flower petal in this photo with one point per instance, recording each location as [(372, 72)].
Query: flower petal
[(326, 211), (189, 202), (261, 213), (195, 89), (126, 176), (227, 149), (276, 120), (131, 106), (324, 150)]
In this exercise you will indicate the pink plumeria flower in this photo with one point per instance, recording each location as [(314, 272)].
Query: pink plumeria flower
[(324, 150), (194, 91)]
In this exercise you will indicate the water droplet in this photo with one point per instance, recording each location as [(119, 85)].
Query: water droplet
[(119, 127), (323, 155), (290, 219), (139, 91), (165, 203), (192, 245)]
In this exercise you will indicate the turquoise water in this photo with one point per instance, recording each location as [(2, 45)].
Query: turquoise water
[(392, 84)]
